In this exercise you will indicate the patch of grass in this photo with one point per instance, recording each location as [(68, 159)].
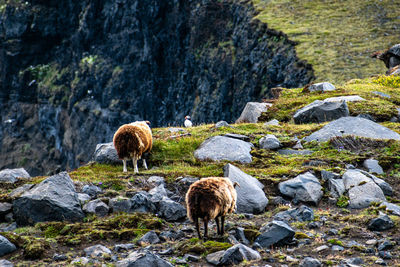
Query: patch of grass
[(195, 245), (337, 53)]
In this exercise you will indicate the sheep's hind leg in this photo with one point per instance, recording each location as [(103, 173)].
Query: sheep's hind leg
[(196, 221), (124, 161), (144, 164), (134, 161), (205, 228), (218, 229), (222, 224)]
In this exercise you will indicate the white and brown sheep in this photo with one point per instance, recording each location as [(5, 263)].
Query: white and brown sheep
[(131, 141), (208, 199)]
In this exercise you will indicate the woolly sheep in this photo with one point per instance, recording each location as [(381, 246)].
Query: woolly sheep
[(131, 141), (210, 198)]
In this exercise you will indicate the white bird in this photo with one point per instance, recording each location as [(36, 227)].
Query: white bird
[(188, 123)]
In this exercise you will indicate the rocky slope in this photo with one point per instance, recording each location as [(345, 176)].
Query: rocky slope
[(72, 72), (328, 202)]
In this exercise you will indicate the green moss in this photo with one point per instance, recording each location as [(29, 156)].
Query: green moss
[(301, 235), (342, 202), (251, 234), (194, 245), (335, 242)]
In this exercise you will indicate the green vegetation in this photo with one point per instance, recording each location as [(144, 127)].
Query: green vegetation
[(195, 245), (382, 109), (336, 37)]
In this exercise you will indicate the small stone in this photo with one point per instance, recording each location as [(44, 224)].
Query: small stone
[(373, 166), (5, 208), (6, 246), (371, 242), (386, 255), (337, 248), (238, 136), (119, 204), (171, 235), (380, 262), (273, 122), (310, 262), (157, 180), (97, 251), (386, 245), (192, 258), (383, 95), (167, 251), (92, 190), (175, 130), (321, 248), (355, 261), (221, 124), (59, 257), (321, 87), (83, 198), (294, 152), (333, 232), (275, 233), (97, 207), (149, 238), (81, 261), (123, 247), (327, 175), (269, 142), (6, 263)]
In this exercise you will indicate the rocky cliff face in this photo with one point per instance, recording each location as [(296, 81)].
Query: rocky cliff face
[(71, 72)]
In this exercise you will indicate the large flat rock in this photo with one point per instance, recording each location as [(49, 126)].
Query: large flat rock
[(224, 148), (321, 111), (11, 175), (54, 199), (352, 126)]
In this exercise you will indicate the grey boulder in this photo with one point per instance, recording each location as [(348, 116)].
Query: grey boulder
[(252, 111), (321, 111), (381, 223), (97, 207), (222, 124), (5, 208), (304, 187), (372, 165), (301, 214), (149, 238), (6, 246), (250, 196), (120, 204), (336, 187), (106, 154), (321, 87), (171, 210), (269, 142), (362, 190), (352, 126), (275, 233), (54, 199), (232, 256), (219, 148), (141, 259), (11, 175), (310, 262), (97, 251), (392, 208), (6, 263)]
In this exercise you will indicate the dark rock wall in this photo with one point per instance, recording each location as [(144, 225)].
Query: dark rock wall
[(71, 72)]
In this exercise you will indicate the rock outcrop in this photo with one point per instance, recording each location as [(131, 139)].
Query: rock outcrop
[(73, 71)]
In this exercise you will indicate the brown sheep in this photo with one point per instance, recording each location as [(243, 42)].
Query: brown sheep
[(131, 141), (210, 198)]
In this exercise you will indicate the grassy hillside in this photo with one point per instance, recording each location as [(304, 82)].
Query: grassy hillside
[(336, 36), (173, 158)]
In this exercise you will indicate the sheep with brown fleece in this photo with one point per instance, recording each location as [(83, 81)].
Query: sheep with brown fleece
[(131, 141), (208, 199)]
